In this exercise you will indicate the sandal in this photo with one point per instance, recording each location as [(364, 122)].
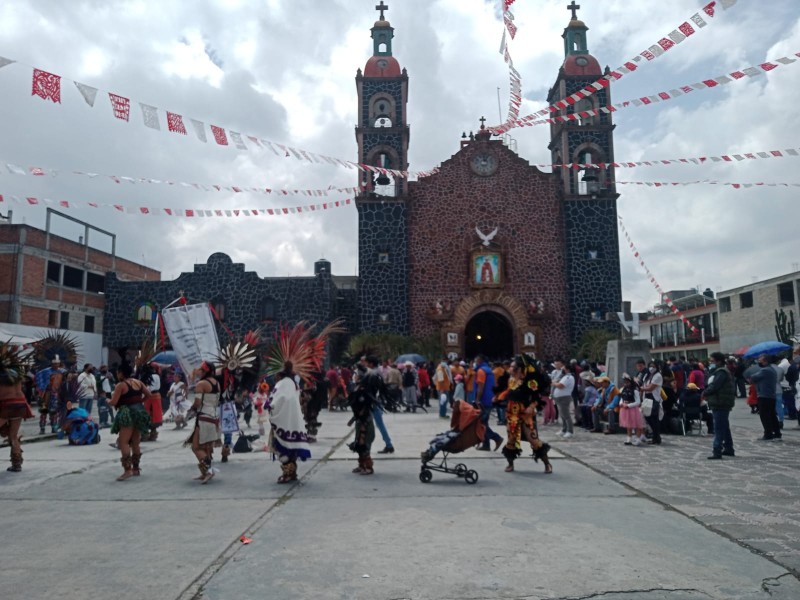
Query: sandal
[(357, 470), (510, 469), (548, 469), (286, 478)]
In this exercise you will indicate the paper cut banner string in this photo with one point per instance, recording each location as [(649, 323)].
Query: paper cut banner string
[(711, 82), (676, 36), (15, 169), (36, 171), (48, 87), (667, 300), (180, 212)]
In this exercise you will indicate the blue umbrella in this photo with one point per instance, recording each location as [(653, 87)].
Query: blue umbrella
[(768, 348), (414, 358), (167, 357)]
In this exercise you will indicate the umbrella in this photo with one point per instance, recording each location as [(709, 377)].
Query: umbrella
[(740, 351), (768, 348), (414, 358), (167, 358)]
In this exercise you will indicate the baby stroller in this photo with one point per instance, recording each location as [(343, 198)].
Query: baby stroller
[(79, 429), (467, 431)]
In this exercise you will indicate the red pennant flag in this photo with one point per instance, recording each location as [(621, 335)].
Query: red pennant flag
[(219, 135), (189, 212), (686, 29), (709, 9), (144, 210), (120, 106), (33, 201), (175, 123), (47, 86)]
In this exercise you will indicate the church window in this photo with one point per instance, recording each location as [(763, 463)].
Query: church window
[(383, 121), (585, 105), (592, 254), (382, 47), (267, 310), (589, 181), (383, 318), (145, 313), (218, 308), (383, 258), (597, 315)]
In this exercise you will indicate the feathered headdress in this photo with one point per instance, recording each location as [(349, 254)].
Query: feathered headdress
[(13, 360), (143, 370), (299, 346), (56, 345)]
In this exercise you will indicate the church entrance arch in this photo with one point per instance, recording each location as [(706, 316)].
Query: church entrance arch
[(489, 333), (497, 314)]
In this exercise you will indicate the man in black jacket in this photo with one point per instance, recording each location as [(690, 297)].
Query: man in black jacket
[(720, 395)]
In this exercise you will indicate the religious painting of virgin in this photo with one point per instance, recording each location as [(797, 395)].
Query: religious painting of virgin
[(487, 269)]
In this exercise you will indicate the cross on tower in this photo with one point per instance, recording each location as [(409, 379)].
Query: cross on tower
[(382, 7), (573, 7), (483, 121)]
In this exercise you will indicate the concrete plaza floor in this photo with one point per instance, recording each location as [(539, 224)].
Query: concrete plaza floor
[(611, 522)]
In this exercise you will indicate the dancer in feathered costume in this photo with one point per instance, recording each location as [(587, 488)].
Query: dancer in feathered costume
[(523, 397), (51, 352), (239, 362), (296, 355), (362, 401), (205, 435), (13, 405)]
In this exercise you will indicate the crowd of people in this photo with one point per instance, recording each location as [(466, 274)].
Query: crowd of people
[(522, 394)]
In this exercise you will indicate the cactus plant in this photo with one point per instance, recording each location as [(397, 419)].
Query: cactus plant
[(784, 326)]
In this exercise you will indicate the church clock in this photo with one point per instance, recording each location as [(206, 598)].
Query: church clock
[(484, 164)]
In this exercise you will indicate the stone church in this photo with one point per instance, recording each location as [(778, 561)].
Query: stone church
[(489, 253)]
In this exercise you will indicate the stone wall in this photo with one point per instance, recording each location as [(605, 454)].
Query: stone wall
[(518, 199), (249, 301)]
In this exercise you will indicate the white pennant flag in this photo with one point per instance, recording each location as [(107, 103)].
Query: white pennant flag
[(199, 129), (5, 61), (88, 92), (237, 140), (150, 116), (503, 43)]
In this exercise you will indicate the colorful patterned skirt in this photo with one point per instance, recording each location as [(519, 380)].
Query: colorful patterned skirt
[(133, 415)]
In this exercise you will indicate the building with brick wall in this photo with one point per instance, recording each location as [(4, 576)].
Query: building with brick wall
[(489, 253), (50, 282), (747, 313)]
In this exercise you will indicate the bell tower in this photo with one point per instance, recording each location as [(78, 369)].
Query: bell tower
[(382, 135), (589, 193)]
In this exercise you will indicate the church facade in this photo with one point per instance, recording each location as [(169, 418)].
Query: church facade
[(489, 253)]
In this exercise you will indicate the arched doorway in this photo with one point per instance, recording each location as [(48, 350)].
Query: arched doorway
[(489, 333)]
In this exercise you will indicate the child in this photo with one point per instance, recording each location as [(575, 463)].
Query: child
[(247, 407), (630, 417), (261, 402)]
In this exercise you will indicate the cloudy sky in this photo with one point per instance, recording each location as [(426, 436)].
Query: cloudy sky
[(283, 70)]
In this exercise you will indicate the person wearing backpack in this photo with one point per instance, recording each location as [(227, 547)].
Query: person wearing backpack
[(720, 395)]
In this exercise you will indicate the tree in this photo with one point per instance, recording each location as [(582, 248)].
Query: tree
[(592, 345)]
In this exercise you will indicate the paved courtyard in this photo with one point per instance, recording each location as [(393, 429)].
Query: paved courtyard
[(612, 522)]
